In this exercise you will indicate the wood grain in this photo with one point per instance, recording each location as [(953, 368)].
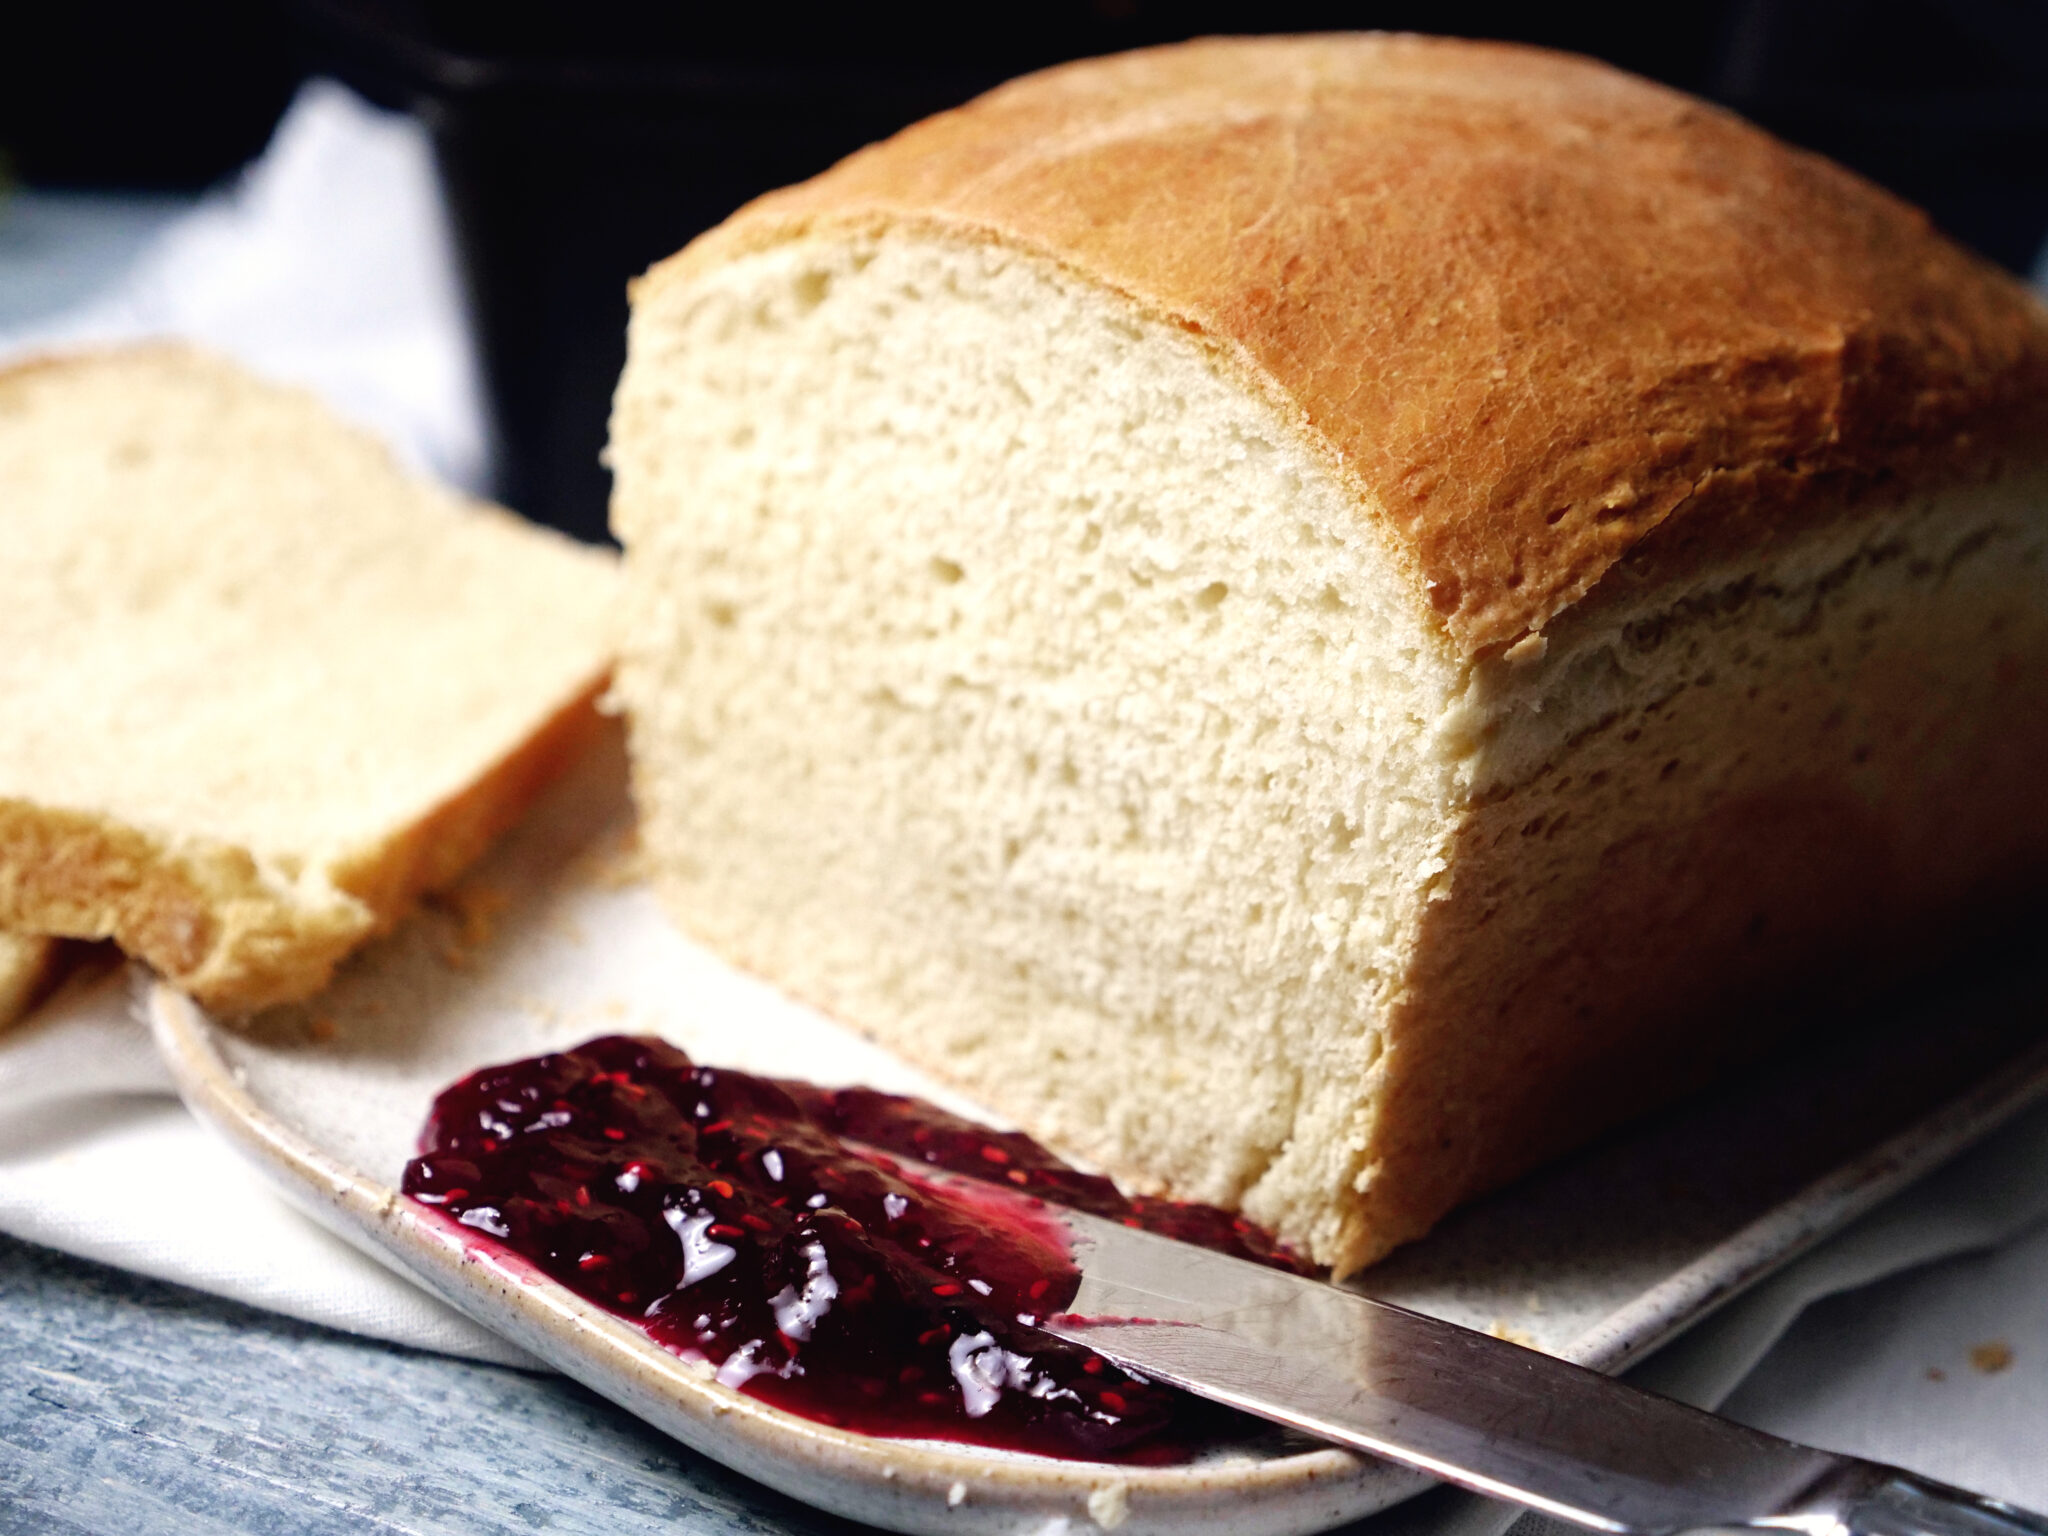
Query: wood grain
[(129, 1407)]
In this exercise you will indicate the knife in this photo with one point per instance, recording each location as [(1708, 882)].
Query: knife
[(1481, 1412)]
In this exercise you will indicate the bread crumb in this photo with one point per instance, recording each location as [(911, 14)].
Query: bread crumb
[(1502, 1329), (956, 1496), (1110, 1505), (1991, 1357), (475, 907), (615, 866)]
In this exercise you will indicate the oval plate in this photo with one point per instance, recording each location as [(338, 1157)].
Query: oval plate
[(553, 941)]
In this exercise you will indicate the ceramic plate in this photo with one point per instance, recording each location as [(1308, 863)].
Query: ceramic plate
[(553, 941)]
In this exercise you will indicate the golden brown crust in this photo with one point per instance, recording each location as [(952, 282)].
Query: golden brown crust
[(31, 965), (211, 923), (1826, 805), (1536, 308), (435, 850)]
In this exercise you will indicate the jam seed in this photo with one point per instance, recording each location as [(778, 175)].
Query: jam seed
[(995, 1154), (1115, 1403), (614, 1133), (725, 1229), (943, 1288), (719, 1186), (1092, 1365)]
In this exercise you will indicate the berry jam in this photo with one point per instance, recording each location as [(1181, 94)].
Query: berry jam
[(725, 1215)]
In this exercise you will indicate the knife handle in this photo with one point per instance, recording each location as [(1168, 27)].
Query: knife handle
[(1868, 1499)]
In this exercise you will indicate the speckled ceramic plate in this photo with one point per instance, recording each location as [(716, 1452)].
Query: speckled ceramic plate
[(552, 941)]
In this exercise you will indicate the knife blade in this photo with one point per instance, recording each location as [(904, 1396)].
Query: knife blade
[(1475, 1410)]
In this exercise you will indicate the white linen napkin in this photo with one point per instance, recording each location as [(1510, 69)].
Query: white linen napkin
[(98, 1158), (328, 263)]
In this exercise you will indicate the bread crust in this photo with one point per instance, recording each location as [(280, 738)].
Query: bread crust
[(206, 918), (30, 966), (1533, 309), (1677, 932)]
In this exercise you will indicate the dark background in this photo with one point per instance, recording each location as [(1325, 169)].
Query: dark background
[(582, 139)]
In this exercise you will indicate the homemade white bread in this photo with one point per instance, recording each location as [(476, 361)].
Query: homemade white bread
[(1318, 620), (262, 687)]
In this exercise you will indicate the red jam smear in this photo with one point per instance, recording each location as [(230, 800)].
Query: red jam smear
[(728, 1216)]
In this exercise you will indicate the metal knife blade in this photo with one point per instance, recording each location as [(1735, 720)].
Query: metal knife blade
[(1474, 1410)]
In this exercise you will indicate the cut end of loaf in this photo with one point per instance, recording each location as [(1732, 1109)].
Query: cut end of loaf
[(1006, 682)]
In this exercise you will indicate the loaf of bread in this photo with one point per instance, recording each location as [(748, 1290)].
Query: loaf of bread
[(1319, 620), (263, 688)]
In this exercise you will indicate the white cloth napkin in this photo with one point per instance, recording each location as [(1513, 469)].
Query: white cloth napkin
[(328, 264), (98, 1158)]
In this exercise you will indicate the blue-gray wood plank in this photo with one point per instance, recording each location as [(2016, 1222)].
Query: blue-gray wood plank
[(129, 1407)]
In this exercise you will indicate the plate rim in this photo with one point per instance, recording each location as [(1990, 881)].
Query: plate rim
[(925, 1486), (1815, 1212), (911, 1485)]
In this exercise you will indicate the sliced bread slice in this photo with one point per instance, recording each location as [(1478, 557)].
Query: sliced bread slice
[(263, 687)]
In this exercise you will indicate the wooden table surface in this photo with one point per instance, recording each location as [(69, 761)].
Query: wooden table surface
[(129, 1407)]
